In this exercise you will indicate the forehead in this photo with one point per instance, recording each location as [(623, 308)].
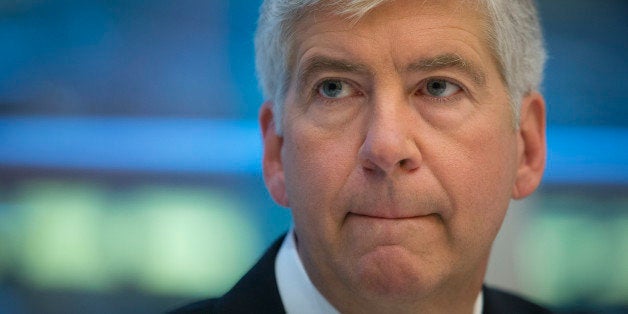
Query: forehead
[(397, 21)]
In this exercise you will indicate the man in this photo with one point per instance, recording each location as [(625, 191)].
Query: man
[(396, 131)]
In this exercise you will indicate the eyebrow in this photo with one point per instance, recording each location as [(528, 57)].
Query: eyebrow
[(319, 64), (449, 60)]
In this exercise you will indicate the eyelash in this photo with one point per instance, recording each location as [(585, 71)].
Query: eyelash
[(447, 99), (319, 84)]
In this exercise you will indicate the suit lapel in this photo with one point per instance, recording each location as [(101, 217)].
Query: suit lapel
[(257, 291)]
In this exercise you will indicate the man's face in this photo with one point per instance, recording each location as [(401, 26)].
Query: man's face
[(399, 155)]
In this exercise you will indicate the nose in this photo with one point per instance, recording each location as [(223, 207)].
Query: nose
[(390, 144)]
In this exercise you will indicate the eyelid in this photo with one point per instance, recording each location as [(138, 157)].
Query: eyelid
[(449, 80), (351, 85), (451, 99)]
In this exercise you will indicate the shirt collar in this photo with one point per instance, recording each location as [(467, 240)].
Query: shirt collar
[(298, 294)]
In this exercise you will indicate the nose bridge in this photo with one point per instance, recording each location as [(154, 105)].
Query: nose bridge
[(389, 143)]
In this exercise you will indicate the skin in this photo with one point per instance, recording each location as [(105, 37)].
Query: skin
[(398, 194)]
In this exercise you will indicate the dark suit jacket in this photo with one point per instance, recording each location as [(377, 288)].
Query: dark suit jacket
[(257, 292)]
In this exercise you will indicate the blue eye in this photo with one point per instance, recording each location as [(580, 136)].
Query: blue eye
[(334, 89), (440, 88)]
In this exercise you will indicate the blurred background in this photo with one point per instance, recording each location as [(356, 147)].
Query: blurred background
[(130, 158)]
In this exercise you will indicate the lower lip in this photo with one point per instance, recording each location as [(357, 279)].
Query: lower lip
[(389, 218), (376, 222), (387, 231)]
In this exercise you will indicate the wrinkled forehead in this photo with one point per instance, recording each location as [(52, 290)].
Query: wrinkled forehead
[(350, 16)]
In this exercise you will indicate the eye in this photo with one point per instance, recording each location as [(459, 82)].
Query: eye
[(334, 89), (439, 88)]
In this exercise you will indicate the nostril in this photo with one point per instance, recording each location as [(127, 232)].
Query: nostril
[(368, 165), (403, 164), (408, 164)]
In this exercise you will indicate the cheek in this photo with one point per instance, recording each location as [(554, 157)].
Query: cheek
[(493, 159), (489, 144), (316, 167), (486, 168)]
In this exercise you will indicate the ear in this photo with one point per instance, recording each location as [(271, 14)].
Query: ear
[(271, 163), (531, 145)]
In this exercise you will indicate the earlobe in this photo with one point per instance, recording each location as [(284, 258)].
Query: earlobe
[(531, 146), (272, 165)]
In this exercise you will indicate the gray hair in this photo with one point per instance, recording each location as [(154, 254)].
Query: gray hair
[(514, 36)]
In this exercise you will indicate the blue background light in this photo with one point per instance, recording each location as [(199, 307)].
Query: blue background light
[(132, 144), (576, 155)]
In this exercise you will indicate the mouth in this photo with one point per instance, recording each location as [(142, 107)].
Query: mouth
[(391, 214), (391, 220), (386, 217)]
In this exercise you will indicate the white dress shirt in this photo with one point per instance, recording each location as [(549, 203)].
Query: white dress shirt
[(298, 294)]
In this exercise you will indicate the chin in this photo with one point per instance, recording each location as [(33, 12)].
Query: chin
[(394, 273)]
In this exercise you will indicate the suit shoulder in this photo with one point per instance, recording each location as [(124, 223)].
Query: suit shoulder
[(204, 306), (256, 292), (499, 301)]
